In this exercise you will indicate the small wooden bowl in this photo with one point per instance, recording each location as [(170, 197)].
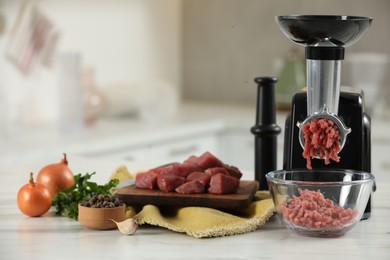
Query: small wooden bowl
[(100, 218)]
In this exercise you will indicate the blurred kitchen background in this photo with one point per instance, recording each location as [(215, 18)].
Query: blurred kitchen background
[(72, 63)]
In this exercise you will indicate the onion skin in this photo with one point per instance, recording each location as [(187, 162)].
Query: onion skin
[(56, 176), (34, 199)]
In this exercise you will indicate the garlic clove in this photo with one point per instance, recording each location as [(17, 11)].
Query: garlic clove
[(127, 227)]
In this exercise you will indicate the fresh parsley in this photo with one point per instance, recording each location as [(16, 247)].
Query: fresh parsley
[(66, 202)]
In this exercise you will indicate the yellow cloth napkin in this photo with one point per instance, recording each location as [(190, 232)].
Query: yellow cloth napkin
[(201, 222)]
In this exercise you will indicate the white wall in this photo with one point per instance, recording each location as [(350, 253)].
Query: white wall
[(125, 41), (227, 43), (209, 50)]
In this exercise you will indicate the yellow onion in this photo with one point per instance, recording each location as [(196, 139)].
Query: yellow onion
[(56, 176), (34, 199)]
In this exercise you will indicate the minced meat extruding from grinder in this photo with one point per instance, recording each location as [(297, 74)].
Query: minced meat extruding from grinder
[(322, 139)]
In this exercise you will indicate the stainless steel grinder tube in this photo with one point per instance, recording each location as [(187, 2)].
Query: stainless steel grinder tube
[(323, 86)]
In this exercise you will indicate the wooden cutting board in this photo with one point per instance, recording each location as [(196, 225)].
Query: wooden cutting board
[(134, 196)]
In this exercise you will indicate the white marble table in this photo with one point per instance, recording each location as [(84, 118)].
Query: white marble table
[(53, 237)]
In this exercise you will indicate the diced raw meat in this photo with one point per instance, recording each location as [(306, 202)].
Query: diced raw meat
[(312, 210), (168, 168), (176, 168), (169, 182), (215, 170), (146, 180), (223, 184), (184, 170), (233, 171), (195, 170), (191, 187), (322, 139), (191, 163), (227, 170), (208, 160), (191, 160), (202, 177)]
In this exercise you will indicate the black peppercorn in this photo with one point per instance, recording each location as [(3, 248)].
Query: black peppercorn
[(102, 201)]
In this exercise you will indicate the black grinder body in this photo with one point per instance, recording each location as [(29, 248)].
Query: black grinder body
[(356, 153)]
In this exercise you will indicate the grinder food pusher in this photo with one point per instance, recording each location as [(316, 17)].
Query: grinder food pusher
[(325, 38)]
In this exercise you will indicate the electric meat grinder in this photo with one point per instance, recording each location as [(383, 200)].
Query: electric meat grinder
[(325, 38)]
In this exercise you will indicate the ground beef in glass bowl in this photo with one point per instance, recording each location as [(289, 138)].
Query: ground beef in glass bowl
[(322, 203)]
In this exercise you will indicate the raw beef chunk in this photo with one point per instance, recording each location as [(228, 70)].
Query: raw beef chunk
[(184, 170), (176, 168), (146, 180), (215, 170), (168, 168), (191, 160), (208, 160), (233, 171), (227, 170), (191, 187), (202, 177), (223, 184), (169, 182)]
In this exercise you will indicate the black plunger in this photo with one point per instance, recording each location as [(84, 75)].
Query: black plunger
[(265, 130)]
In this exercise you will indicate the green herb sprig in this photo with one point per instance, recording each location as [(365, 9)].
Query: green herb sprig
[(66, 202)]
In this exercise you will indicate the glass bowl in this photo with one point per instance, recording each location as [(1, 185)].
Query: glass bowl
[(322, 203)]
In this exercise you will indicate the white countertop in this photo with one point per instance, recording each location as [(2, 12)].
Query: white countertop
[(54, 237)]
